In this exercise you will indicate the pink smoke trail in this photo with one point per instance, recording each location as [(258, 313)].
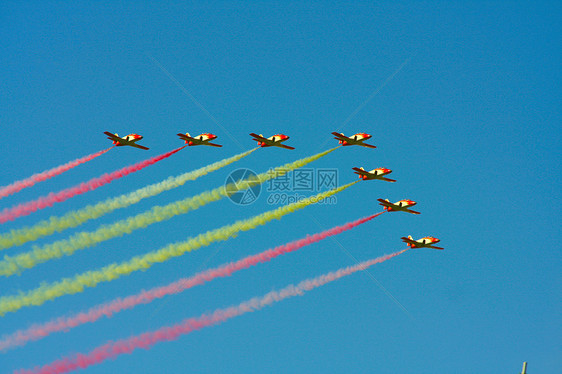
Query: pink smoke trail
[(112, 349), (40, 177), (40, 331), (9, 214)]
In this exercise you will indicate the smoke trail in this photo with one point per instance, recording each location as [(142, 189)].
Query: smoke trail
[(78, 217), (112, 349), (40, 177), (68, 286), (16, 264), (10, 214), (40, 331)]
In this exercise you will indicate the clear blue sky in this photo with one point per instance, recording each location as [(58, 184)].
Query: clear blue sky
[(471, 126)]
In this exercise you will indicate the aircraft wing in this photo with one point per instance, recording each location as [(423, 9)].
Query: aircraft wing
[(411, 211), (259, 138), (386, 203), (112, 136), (339, 136), (366, 145), (388, 179), (213, 145), (137, 146), (407, 240), (185, 137), (431, 246), (283, 146), (361, 172)]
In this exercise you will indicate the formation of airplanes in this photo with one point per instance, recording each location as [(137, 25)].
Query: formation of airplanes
[(272, 141), (277, 141)]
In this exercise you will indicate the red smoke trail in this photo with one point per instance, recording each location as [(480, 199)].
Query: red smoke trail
[(40, 177), (39, 331), (24, 209), (112, 349)]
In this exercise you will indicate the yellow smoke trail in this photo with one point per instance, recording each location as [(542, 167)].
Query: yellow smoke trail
[(68, 286), (78, 217), (16, 264)]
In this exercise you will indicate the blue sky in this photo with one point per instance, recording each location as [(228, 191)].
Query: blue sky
[(465, 109)]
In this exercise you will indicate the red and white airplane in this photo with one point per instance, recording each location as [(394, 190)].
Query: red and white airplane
[(399, 206), (378, 173), (130, 139), (203, 139), (272, 141), (356, 139), (426, 242)]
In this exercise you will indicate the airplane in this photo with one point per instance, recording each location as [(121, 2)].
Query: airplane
[(202, 139), (426, 242), (272, 141), (356, 139), (130, 139), (378, 173), (401, 205)]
